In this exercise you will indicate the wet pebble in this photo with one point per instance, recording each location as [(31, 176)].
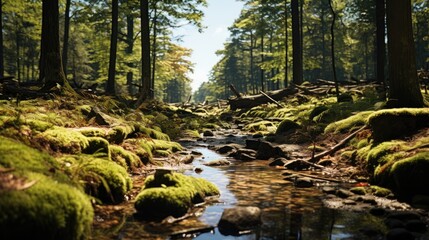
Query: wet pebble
[(399, 234), (208, 133), (342, 193), (278, 162), (329, 190), (219, 162)]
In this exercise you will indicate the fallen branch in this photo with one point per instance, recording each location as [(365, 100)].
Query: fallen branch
[(313, 176), (271, 99), (335, 148)]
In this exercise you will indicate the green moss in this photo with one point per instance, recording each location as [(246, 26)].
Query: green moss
[(380, 191), (125, 158), (265, 126), (410, 175), (152, 133), (93, 132), (46, 210), (382, 153), (97, 145), (357, 120), (63, 140), (171, 194), (358, 190), (38, 125), (101, 178), (141, 148), (84, 109), (166, 145), (119, 133), (286, 126), (21, 157), (395, 123)]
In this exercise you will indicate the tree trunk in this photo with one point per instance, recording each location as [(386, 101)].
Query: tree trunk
[(286, 46), (110, 85), (66, 36), (155, 31), (334, 69), (296, 43), (1, 41), (129, 51), (261, 78), (51, 67), (145, 92), (404, 87), (380, 38)]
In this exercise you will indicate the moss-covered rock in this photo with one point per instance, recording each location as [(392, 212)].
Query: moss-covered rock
[(264, 126), (102, 178), (171, 194), (97, 145), (20, 157), (63, 140), (125, 158), (287, 126), (410, 175), (93, 132), (46, 210), (356, 120), (118, 134), (395, 123)]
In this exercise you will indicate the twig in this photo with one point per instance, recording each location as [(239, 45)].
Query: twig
[(271, 99)]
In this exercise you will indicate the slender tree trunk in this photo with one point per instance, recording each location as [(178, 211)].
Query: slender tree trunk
[(18, 54), (1, 41), (262, 78), (51, 67), (334, 69), (323, 33), (252, 77), (145, 92), (155, 32), (129, 51), (66, 36), (110, 86), (380, 39), (286, 46), (296, 44), (404, 87)]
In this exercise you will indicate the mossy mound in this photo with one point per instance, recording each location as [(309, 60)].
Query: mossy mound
[(261, 126), (125, 158), (23, 158), (118, 134), (349, 123), (395, 123), (46, 210), (410, 175), (63, 140), (102, 178), (171, 194), (287, 126)]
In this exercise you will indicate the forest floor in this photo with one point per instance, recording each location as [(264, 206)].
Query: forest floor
[(308, 135)]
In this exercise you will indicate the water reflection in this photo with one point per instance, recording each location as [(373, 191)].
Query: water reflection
[(287, 212)]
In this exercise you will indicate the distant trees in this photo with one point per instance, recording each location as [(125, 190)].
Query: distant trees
[(359, 40)]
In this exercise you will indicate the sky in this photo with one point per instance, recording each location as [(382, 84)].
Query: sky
[(219, 15)]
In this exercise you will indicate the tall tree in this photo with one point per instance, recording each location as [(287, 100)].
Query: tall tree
[(296, 44), (51, 67), (66, 35), (380, 39), (110, 86), (1, 41), (403, 84), (146, 88)]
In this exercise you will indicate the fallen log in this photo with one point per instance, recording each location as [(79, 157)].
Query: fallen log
[(272, 100), (247, 102)]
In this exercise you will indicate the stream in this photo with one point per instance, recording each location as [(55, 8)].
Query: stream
[(288, 212)]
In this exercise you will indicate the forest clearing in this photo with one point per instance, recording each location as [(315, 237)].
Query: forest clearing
[(314, 123)]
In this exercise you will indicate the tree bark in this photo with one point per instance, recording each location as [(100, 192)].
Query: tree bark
[(145, 92), (286, 40), (404, 87), (296, 44), (110, 86), (51, 67), (66, 36), (334, 69), (380, 39), (154, 46), (129, 51), (1, 41)]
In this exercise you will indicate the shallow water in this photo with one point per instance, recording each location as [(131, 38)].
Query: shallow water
[(287, 212)]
